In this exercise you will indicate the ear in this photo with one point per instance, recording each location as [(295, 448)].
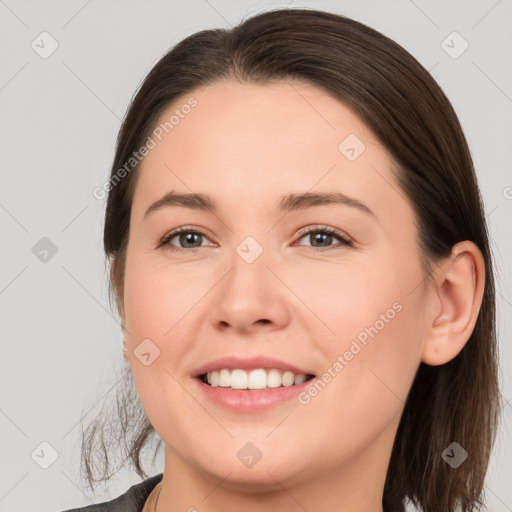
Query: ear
[(454, 304), (125, 351)]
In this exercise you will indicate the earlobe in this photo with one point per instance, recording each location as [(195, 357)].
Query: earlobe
[(455, 303)]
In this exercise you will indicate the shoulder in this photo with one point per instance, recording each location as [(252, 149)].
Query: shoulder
[(131, 501)]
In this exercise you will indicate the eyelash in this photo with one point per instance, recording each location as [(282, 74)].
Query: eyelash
[(315, 229)]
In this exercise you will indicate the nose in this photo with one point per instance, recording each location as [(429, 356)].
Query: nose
[(250, 297)]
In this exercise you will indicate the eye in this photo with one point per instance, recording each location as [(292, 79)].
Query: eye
[(190, 239), (185, 236), (324, 235)]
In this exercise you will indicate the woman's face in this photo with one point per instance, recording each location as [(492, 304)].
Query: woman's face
[(256, 284)]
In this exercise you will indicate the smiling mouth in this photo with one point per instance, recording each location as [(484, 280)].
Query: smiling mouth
[(258, 379)]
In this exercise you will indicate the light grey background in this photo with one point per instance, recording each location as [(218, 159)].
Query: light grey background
[(60, 116)]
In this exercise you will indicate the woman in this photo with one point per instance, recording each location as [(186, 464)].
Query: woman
[(300, 260)]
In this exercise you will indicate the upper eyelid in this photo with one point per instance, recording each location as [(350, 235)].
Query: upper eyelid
[(319, 227)]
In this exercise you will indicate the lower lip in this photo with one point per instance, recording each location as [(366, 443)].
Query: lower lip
[(254, 400)]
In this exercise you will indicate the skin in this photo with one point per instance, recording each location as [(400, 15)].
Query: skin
[(246, 146)]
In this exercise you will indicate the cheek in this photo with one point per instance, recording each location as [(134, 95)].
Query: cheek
[(163, 304), (157, 296), (365, 383), (373, 351), (159, 304), (348, 298)]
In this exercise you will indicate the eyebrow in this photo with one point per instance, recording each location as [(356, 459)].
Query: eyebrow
[(288, 203)]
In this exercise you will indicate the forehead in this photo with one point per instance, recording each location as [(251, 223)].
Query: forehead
[(242, 141)]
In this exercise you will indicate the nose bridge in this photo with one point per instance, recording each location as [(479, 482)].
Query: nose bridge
[(250, 250), (249, 269), (249, 291)]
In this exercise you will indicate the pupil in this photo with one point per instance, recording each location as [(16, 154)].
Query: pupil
[(319, 236), (188, 237)]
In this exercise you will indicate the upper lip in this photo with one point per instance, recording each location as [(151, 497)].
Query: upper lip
[(249, 363)]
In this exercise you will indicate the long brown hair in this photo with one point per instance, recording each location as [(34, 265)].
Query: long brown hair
[(413, 119)]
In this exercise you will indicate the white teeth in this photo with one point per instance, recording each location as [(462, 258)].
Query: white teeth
[(255, 379), (288, 378), (273, 378), (238, 379), (224, 378), (299, 379)]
